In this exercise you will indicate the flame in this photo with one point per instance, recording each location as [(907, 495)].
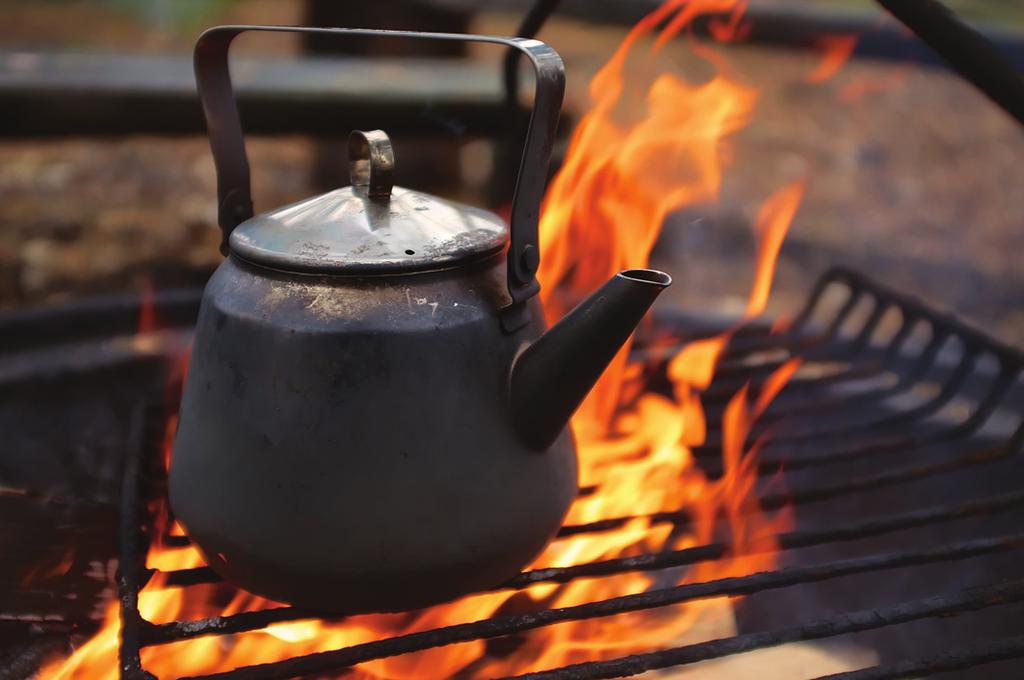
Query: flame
[(148, 321), (733, 29), (622, 176), (862, 86), (836, 51), (47, 569)]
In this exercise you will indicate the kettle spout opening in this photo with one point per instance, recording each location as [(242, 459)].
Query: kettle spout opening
[(651, 277), (551, 377)]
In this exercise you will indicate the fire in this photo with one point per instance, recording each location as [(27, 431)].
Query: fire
[(603, 212), (836, 51), (862, 86)]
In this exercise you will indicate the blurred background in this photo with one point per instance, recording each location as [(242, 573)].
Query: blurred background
[(107, 185)]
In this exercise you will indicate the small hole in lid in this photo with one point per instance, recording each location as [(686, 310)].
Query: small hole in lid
[(410, 252)]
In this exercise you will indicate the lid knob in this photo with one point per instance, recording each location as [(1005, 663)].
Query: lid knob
[(371, 163)]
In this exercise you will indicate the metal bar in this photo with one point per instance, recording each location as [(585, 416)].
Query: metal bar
[(1006, 353), (863, 529), (540, 11), (896, 476), (183, 578), (769, 465), (968, 51), (852, 350), (164, 633), (731, 376), (896, 343), (984, 408), (862, 340), (800, 342), (95, 317), (872, 527), (739, 346), (998, 391), (999, 388), (790, 25), (950, 388), (868, 619), (133, 546), (944, 326), (798, 539), (64, 93), (892, 351), (957, 659), (891, 477), (807, 312), (743, 585), (773, 418), (860, 345), (904, 381)]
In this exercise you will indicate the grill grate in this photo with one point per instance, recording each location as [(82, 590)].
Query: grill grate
[(843, 442)]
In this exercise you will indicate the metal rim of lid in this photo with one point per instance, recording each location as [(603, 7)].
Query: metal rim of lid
[(411, 262)]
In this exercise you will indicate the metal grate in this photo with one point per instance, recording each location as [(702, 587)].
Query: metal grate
[(891, 394)]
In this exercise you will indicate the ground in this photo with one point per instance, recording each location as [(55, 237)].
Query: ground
[(912, 176)]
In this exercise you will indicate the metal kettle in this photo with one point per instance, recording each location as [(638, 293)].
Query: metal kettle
[(374, 417)]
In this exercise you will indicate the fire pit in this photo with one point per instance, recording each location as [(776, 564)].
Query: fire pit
[(903, 503), (899, 436), (844, 483)]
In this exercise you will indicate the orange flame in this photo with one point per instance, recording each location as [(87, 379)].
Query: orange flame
[(147, 308), (836, 51), (862, 86), (622, 176), (733, 29)]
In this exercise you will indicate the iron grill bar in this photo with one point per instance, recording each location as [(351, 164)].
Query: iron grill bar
[(795, 539), (795, 498), (133, 554), (967, 657), (942, 329), (789, 541), (923, 362), (996, 391), (989, 404), (834, 347), (774, 502), (888, 477), (793, 340), (940, 334), (950, 388), (895, 476), (700, 553), (902, 444), (867, 619), (323, 662), (799, 497), (857, 281), (869, 367)]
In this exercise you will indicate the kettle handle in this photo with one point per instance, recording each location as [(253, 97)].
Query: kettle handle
[(234, 192)]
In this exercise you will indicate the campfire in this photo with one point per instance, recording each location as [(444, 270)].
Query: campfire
[(602, 214), (674, 494)]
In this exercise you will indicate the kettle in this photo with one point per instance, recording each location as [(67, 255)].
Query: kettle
[(374, 417)]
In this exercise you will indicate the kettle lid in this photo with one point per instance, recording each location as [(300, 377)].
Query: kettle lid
[(370, 227)]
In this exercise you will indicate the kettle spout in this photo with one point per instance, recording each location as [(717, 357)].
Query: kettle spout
[(552, 376)]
